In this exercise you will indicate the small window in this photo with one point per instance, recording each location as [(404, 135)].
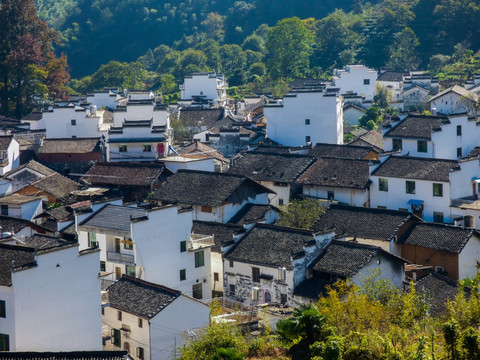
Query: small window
[(216, 277), (307, 139), (438, 217), (410, 187), (122, 148), (230, 263), (459, 152), (126, 346), (438, 190), (330, 195), (382, 184), (119, 315), (92, 239), (140, 323), (73, 122), (397, 144), (147, 148), (366, 81), (103, 311), (255, 274), (116, 337), (307, 121), (183, 274), (199, 259), (4, 209), (4, 342), (197, 291), (103, 266), (127, 244), (280, 202), (231, 288), (206, 209), (3, 310), (459, 130), (422, 146), (130, 270), (183, 246), (140, 353)]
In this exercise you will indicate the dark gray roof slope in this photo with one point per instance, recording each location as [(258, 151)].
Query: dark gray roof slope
[(373, 137), (32, 165), (114, 217), (5, 141), (475, 153), (207, 188), (19, 257), (282, 244), (283, 168), (377, 224), (345, 258), (343, 173), (70, 355), (70, 145), (139, 297), (441, 237), (56, 185), (392, 76), (206, 117), (417, 127), (340, 151), (222, 233), (251, 213), (9, 223), (45, 243), (407, 167)]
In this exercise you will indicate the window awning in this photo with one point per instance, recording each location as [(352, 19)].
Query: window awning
[(476, 180), (415, 202)]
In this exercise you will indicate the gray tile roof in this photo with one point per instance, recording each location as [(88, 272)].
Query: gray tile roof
[(56, 185), (223, 234), (206, 117), (340, 151), (5, 141), (343, 173), (139, 297), (114, 217), (440, 237), (283, 168), (352, 221), (21, 256), (345, 258), (251, 213), (407, 167), (282, 244), (70, 145), (417, 127), (374, 138), (32, 165), (9, 223), (459, 90), (207, 188), (396, 76), (66, 355)]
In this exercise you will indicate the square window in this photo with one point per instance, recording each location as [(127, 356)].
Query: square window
[(4, 342), (459, 130), (459, 152), (73, 122), (410, 187), (307, 139), (255, 274), (4, 209), (366, 81), (206, 209), (280, 202), (122, 148), (307, 121), (330, 195), (183, 274), (199, 259), (231, 288), (130, 270), (382, 184), (422, 146), (438, 217), (397, 144), (438, 190), (147, 148), (197, 291), (183, 246), (3, 310), (127, 244)]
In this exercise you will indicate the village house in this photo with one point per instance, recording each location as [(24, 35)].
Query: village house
[(204, 88), (196, 120), (21, 206), (372, 139), (153, 245), (342, 260), (278, 172), (450, 250), (305, 116), (454, 100), (421, 185), (21, 228), (376, 227), (415, 98), (54, 188), (23, 176), (36, 312), (428, 136), (103, 98), (392, 81), (70, 355), (352, 114), (348, 151), (356, 79), (135, 180), (213, 196), (255, 276), (199, 150), (10, 154), (344, 180), (150, 321), (251, 214)]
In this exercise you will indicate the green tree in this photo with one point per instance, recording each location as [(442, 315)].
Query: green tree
[(301, 214), (403, 52), (289, 45)]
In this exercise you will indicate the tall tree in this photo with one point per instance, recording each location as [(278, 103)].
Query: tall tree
[(29, 70), (403, 52)]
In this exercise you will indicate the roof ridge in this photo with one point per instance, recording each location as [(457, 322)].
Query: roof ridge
[(150, 284)]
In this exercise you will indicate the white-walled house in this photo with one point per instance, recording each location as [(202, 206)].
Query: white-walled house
[(393, 82), (272, 275), (213, 196), (10, 154), (21, 206), (421, 185), (141, 110), (440, 137), (454, 100), (356, 79), (352, 114), (308, 116), (23, 176), (150, 321), (154, 245), (204, 88), (103, 98), (49, 296)]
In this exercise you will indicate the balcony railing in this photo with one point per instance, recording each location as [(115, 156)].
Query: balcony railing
[(120, 258), (198, 241)]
